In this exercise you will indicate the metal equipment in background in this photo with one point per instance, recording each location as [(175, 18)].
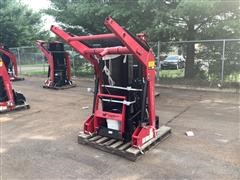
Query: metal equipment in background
[(10, 62), (9, 99), (59, 72), (123, 119)]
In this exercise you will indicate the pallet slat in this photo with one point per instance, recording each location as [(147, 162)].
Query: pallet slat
[(103, 139), (83, 135), (119, 147), (116, 144), (111, 141), (124, 146), (94, 138)]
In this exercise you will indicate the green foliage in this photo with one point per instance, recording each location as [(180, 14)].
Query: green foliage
[(19, 25), (212, 53), (163, 22), (198, 72), (203, 19), (172, 74), (81, 67), (182, 20), (87, 16)]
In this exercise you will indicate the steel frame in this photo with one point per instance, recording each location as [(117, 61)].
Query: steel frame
[(143, 133), (49, 83), (8, 105)]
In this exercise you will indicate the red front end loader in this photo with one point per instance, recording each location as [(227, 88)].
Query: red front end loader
[(10, 61), (59, 72), (123, 119), (9, 99)]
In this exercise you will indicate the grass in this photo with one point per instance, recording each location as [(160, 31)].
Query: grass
[(39, 73), (235, 77), (34, 73), (176, 73), (179, 73), (34, 65), (175, 76)]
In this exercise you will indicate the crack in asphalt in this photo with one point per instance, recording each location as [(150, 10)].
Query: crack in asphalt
[(183, 111), (179, 114)]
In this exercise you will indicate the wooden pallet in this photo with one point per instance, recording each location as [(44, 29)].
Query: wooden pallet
[(119, 147), (17, 108), (59, 88), (17, 79)]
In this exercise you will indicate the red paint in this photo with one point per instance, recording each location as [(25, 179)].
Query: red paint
[(10, 103), (92, 37), (40, 44), (13, 59), (93, 55)]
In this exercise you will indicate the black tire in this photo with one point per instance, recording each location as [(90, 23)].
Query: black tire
[(157, 125), (19, 98), (3, 94), (177, 67)]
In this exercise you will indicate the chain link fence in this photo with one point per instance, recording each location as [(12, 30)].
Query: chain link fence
[(216, 62), (31, 61)]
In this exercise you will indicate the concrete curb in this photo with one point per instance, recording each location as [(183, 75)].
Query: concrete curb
[(237, 91), (183, 87)]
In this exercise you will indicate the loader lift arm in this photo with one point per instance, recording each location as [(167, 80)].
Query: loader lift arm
[(7, 54)]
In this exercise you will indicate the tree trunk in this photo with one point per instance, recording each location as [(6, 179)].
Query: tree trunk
[(190, 54), (190, 61)]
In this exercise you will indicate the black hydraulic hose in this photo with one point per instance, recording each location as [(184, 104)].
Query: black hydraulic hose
[(95, 93), (49, 71), (143, 106)]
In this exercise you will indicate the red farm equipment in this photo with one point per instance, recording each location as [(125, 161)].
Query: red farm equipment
[(10, 62), (123, 119), (9, 99), (59, 72)]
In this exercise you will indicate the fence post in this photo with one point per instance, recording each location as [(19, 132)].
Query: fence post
[(43, 63), (158, 61), (19, 61), (73, 62), (223, 59)]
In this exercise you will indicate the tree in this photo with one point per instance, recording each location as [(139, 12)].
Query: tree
[(19, 25), (203, 19), (180, 20), (87, 16)]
